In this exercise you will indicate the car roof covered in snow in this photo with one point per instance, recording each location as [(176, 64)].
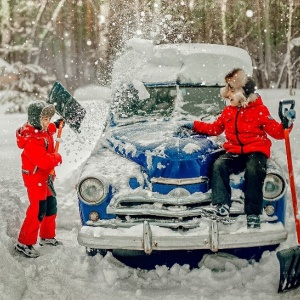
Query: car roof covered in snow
[(187, 63)]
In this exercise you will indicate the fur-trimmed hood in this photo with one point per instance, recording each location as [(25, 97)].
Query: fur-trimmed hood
[(27, 132), (243, 86)]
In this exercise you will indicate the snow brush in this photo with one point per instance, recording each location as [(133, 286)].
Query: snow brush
[(289, 259), (72, 113)]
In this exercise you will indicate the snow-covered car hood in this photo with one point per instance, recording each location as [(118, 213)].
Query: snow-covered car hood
[(157, 149)]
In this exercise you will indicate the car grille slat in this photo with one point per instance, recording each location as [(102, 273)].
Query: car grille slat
[(171, 212)]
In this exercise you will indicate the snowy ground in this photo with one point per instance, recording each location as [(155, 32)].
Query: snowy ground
[(65, 272)]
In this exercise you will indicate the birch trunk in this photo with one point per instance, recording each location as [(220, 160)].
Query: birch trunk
[(267, 40), (5, 23), (288, 52), (49, 26), (223, 17)]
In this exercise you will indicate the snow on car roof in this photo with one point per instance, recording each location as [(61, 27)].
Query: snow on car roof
[(188, 63)]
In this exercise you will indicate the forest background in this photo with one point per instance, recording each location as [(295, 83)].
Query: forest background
[(77, 41)]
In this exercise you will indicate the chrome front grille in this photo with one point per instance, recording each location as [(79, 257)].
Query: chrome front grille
[(162, 210), (154, 204)]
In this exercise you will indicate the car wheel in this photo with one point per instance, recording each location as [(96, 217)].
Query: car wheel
[(94, 251), (103, 252)]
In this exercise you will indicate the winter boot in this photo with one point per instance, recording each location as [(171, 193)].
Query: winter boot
[(52, 242), (253, 221), (28, 250), (222, 210)]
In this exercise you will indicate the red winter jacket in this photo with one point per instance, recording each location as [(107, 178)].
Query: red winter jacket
[(38, 157), (246, 128)]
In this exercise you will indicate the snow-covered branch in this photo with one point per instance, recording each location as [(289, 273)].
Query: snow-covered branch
[(49, 27)]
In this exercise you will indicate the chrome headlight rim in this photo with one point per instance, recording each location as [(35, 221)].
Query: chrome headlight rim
[(99, 184), (282, 190)]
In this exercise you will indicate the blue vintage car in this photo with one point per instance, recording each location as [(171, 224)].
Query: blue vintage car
[(146, 186)]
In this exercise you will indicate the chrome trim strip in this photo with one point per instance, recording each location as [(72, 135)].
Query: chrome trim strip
[(132, 222), (198, 238), (214, 236), (159, 212), (178, 212), (179, 181), (147, 238)]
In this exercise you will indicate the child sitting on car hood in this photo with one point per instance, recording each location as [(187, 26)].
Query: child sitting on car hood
[(246, 123)]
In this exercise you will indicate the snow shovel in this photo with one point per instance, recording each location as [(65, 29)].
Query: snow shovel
[(66, 106), (72, 113), (289, 259)]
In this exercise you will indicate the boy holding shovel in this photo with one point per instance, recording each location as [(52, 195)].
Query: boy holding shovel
[(36, 140)]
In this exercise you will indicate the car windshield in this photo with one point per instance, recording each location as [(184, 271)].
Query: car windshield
[(162, 101)]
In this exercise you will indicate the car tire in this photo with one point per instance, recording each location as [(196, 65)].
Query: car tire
[(94, 251)]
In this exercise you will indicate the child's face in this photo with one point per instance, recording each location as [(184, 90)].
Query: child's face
[(230, 97), (45, 121)]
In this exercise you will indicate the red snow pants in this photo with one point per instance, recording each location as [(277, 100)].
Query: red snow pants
[(40, 216)]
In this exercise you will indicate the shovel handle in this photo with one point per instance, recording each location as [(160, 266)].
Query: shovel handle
[(292, 184), (60, 127), (284, 105)]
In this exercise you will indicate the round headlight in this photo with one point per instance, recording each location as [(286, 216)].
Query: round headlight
[(92, 190), (273, 187)]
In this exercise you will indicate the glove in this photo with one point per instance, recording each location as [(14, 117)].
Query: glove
[(57, 158), (185, 130), (288, 118), (57, 122), (188, 126)]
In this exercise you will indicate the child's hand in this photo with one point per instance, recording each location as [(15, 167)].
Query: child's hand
[(184, 130), (289, 117), (57, 122), (57, 158)]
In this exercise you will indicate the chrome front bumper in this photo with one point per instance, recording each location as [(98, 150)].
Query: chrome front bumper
[(209, 235)]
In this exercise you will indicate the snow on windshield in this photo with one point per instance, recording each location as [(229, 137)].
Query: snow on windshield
[(163, 67)]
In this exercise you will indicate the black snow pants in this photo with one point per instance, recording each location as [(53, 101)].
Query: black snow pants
[(254, 165)]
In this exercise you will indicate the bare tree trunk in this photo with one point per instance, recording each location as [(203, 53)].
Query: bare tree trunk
[(137, 16), (267, 42), (103, 61), (76, 51), (93, 34), (223, 17), (260, 43), (34, 27), (49, 26), (5, 23), (288, 52), (155, 20), (281, 72)]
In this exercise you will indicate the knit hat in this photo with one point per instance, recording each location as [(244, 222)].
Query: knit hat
[(37, 110), (242, 85)]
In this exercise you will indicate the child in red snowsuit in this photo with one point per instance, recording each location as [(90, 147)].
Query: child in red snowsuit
[(35, 138)]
